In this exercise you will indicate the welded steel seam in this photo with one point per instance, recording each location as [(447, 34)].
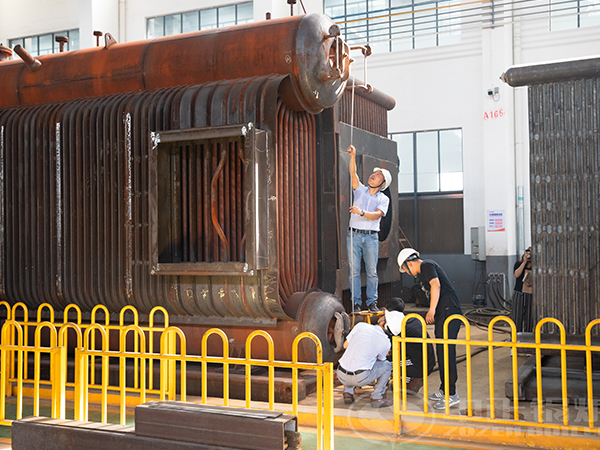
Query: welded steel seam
[(565, 187), (76, 217)]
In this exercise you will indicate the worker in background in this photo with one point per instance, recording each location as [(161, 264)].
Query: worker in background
[(364, 359), (522, 296), (414, 351), (370, 205), (443, 304)]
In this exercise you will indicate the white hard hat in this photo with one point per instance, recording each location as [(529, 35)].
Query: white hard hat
[(387, 176), (406, 255), (393, 320)]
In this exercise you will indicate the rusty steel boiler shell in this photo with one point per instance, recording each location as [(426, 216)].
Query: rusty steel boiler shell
[(298, 45), (77, 206), (76, 202)]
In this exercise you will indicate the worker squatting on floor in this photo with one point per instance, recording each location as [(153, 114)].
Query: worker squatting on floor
[(365, 358)]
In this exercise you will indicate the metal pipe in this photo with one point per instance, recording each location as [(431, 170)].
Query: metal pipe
[(293, 45), (34, 64), (5, 53), (552, 72), (62, 40), (98, 35)]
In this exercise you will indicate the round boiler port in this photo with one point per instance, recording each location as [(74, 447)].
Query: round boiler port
[(322, 314)]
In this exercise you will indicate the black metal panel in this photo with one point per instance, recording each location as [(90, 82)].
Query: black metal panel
[(433, 210)]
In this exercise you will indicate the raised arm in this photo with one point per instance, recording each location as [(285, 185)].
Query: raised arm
[(353, 175), (520, 269)]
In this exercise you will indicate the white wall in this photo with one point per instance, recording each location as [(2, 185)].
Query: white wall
[(98, 15), (437, 88), (31, 17)]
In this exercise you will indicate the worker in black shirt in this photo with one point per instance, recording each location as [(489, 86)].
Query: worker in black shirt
[(414, 350), (443, 302)]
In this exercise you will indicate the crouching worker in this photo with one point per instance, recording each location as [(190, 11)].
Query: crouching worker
[(364, 360), (414, 351)]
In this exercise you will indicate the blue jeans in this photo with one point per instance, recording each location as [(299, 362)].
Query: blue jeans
[(363, 246), (380, 371)]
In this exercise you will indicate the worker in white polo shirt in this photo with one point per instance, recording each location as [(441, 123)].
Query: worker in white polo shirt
[(364, 360), (370, 205)]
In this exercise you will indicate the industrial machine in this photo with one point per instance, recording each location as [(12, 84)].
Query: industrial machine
[(565, 219), (204, 172)]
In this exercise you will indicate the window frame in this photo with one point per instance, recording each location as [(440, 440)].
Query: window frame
[(395, 24), (55, 45), (415, 172), (199, 13), (575, 5)]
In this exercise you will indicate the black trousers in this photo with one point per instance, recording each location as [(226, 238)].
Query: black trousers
[(453, 328), (522, 312)]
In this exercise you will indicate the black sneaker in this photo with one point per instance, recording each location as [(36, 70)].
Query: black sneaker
[(357, 308), (373, 307)]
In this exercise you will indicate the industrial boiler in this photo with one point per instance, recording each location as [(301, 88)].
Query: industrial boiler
[(204, 172)]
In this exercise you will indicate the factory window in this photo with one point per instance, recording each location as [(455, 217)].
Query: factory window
[(203, 19), (44, 44), (434, 156), (391, 25), (574, 14), (434, 196)]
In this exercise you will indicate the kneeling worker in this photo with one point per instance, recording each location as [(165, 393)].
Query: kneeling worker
[(364, 360), (414, 351)]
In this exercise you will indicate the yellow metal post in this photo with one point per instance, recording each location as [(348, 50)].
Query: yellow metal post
[(61, 380), (328, 432), (396, 378), (3, 379), (78, 393), (123, 389), (588, 369)]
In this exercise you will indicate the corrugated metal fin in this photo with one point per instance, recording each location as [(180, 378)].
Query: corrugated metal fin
[(75, 200), (565, 193)]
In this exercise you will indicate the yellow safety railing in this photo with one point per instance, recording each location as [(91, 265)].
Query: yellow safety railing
[(92, 347), (20, 314), (399, 374), (169, 358), (13, 342)]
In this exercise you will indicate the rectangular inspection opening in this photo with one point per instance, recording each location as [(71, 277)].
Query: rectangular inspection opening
[(203, 200)]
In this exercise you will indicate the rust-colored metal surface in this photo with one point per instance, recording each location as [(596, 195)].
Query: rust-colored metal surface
[(5, 53), (77, 208), (296, 191), (215, 426), (565, 192), (564, 118), (190, 172), (207, 179), (301, 46)]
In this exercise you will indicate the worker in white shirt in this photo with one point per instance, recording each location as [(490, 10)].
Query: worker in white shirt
[(364, 360)]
